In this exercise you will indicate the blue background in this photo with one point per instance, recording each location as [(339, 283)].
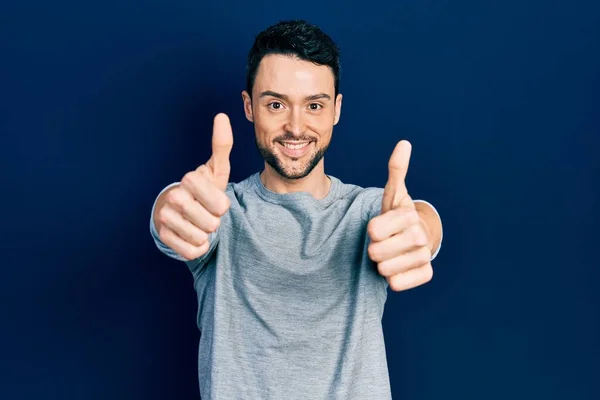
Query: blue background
[(104, 103)]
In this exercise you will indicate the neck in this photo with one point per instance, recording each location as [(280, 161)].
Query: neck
[(316, 183)]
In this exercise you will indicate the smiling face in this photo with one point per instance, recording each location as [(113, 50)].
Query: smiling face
[(294, 110)]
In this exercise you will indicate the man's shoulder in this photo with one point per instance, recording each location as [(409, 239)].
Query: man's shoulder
[(243, 184)]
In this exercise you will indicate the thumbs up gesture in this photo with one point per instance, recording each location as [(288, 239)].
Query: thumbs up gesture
[(400, 243), (186, 214)]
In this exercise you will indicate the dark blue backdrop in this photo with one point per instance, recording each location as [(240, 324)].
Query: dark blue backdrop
[(104, 103)]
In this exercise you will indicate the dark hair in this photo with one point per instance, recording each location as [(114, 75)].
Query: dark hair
[(297, 38)]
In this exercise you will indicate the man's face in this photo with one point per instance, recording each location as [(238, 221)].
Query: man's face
[(294, 109)]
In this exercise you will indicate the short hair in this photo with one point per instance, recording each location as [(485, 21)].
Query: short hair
[(297, 38)]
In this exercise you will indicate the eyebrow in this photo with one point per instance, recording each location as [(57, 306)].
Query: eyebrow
[(285, 97)]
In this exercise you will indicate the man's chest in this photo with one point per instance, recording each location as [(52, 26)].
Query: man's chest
[(298, 242), (303, 259)]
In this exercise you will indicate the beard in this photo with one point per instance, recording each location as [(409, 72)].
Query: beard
[(271, 158)]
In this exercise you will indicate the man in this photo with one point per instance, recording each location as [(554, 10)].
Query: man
[(291, 266)]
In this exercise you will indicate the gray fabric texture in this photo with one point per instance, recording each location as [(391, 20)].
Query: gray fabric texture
[(289, 303)]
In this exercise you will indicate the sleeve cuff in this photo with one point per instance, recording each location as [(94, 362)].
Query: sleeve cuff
[(435, 253)]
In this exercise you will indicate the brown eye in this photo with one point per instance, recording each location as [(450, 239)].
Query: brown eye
[(315, 106), (275, 105)]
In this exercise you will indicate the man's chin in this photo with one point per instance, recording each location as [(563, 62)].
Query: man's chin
[(292, 174), (291, 168)]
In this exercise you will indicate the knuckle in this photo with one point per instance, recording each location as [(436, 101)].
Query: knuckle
[(203, 169), (413, 218), (204, 248), (212, 224), (424, 256), (189, 180), (373, 252), (395, 285), (428, 273), (163, 235), (201, 250), (187, 253), (223, 206), (384, 269), (185, 207), (174, 197), (197, 251), (418, 237), (372, 229), (162, 216), (199, 238)]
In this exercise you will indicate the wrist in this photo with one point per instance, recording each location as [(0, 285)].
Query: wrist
[(432, 224)]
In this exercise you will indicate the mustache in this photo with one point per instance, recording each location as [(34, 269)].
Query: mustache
[(288, 136)]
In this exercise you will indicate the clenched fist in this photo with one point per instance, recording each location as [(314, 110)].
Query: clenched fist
[(186, 214), (400, 243)]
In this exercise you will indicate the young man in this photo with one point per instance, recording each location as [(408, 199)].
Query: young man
[(291, 266)]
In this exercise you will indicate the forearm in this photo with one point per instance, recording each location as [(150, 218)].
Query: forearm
[(432, 223)]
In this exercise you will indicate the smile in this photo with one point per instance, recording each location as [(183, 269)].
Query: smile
[(295, 145), (294, 149)]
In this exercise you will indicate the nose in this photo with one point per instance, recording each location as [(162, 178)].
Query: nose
[(295, 123)]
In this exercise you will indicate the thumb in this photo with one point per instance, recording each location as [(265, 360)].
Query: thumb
[(395, 192), (222, 142)]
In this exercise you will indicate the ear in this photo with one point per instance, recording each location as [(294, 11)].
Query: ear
[(247, 106), (338, 109)]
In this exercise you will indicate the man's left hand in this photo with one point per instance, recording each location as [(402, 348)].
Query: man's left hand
[(400, 243)]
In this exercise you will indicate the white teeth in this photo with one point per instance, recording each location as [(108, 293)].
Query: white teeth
[(295, 146)]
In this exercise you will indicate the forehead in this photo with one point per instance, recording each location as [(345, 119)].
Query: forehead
[(289, 75)]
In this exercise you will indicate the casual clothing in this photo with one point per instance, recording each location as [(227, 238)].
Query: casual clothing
[(289, 303)]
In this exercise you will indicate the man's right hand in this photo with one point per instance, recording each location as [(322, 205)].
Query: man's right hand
[(186, 214)]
